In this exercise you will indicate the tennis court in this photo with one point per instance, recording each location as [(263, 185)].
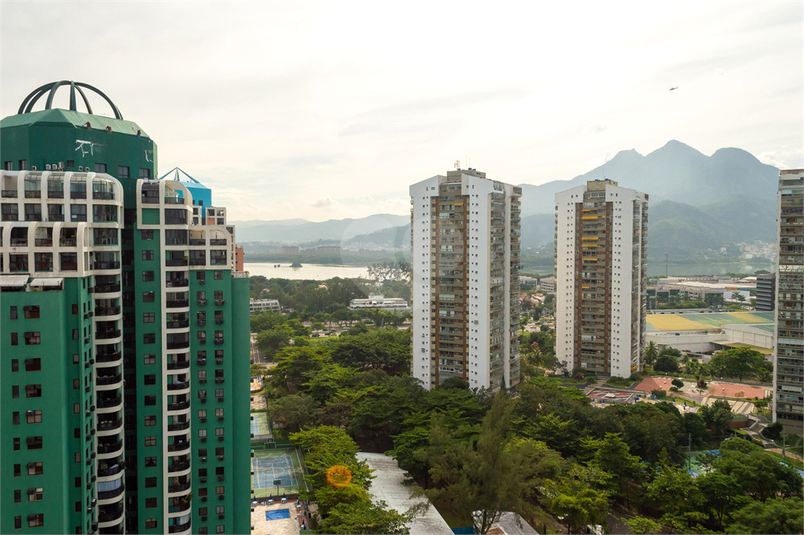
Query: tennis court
[(271, 465), (260, 429)]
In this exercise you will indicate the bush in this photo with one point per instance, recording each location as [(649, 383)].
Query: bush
[(659, 393), (678, 383), (673, 389)]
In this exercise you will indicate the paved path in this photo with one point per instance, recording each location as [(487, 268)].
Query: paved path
[(787, 453)]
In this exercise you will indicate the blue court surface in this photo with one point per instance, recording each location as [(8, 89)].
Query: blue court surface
[(278, 514), (255, 427), (269, 469)]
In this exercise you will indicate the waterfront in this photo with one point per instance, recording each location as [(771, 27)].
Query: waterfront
[(317, 272)]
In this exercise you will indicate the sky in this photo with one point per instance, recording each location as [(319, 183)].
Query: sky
[(327, 110)]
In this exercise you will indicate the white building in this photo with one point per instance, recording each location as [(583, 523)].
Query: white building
[(465, 234), (601, 236), (258, 306), (380, 302)]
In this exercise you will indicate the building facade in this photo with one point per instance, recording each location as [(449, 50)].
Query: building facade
[(766, 292), (258, 306), (465, 243), (601, 239), (379, 301), (123, 336), (788, 357)]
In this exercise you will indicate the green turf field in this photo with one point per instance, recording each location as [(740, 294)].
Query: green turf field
[(295, 474)]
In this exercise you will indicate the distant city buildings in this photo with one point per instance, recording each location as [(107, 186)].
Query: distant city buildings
[(788, 379), (378, 301), (258, 306), (601, 237), (547, 284), (465, 245)]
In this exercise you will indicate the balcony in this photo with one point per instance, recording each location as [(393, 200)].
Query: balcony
[(110, 425), (108, 357), (109, 402), (178, 466), (178, 303), (179, 446), (179, 487), (178, 365), (178, 324), (108, 379), (8, 193), (178, 426), (179, 406), (107, 288), (178, 385), (179, 527), (183, 344), (110, 448), (104, 195), (180, 506), (105, 265), (176, 262), (107, 311), (107, 334), (110, 515), (111, 470), (177, 283), (111, 493)]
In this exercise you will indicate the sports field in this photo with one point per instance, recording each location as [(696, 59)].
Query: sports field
[(695, 321), (259, 425), (271, 465)]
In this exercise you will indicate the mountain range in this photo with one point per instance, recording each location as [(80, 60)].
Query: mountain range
[(698, 204)]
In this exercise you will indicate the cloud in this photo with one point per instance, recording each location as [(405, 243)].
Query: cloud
[(323, 202), (595, 128)]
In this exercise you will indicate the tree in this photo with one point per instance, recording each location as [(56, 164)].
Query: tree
[(773, 431), (293, 411), (650, 354), (578, 498), (272, 340), (678, 383), (778, 515), (612, 456), (719, 492), (479, 479), (739, 362), (385, 349), (365, 517), (640, 525), (666, 362), (717, 416), (298, 365)]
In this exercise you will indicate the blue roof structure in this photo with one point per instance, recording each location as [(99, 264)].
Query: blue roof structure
[(202, 195)]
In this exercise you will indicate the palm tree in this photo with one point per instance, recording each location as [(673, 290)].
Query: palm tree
[(651, 353)]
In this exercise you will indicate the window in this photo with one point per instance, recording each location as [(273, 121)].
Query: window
[(33, 365), (149, 359), (150, 379), (23, 165), (17, 496), (150, 482), (202, 433), (150, 523), (202, 413), (219, 413), (219, 451), (150, 421), (13, 311), (15, 418), (202, 511), (202, 453), (202, 375), (17, 470), (148, 297), (31, 312), (122, 171), (34, 469), (149, 338), (150, 462), (145, 173), (218, 295), (100, 167), (220, 490), (14, 339), (219, 431), (35, 495), (78, 212), (34, 443), (150, 441), (33, 417), (147, 276), (18, 522), (217, 275), (32, 338), (200, 276), (33, 391), (35, 521), (150, 503), (148, 317), (219, 393), (150, 401), (15, 365), (15, 392), (148, 255), (75, 334)]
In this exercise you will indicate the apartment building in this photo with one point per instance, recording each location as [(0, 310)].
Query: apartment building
[(601, 238), (123, 335), (258, 306), (788, 357), (766, 292), (465, 243)]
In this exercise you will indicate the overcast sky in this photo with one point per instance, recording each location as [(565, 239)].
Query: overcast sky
[(332, 109)]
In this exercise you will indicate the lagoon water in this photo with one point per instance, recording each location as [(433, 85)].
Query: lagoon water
[(317, 272)]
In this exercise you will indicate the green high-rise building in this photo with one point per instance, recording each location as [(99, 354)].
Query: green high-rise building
[(124, 334)]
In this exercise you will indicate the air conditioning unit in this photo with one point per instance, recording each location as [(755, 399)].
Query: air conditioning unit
[(80, 168), (203, 518), (33, 168), (202, 420), (61, 165), (202, 479), (47, 167), (203, 499)]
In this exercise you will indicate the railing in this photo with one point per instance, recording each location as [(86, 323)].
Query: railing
[(182, 506), (108, 448), (105, 335), (179, 365), (194, 241), (178, 324), (111, 402), (177, 283), (55, 194), (179, 426), (178, 385), (107, 288), (180, 527), (105, 265), (179, 487), (176, 262), (217, 242), (109, 516), (107, 311), (198, 261), (43, 242), (116, 469), (184, 344), (108, 379), (181, 405), (110, 425), (107, 195), (19, 242), (177, 303), (68, 242), (179, 446), (78, 194), (8, 194), (111, 493)]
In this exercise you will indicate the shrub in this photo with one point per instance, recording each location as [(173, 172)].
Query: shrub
[(659, 393), (678, 383)]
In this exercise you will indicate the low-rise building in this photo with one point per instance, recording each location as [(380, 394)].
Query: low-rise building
[(258, 306), (379, 301), (548, 284)]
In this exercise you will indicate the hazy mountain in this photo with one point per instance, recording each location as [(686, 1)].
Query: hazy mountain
[(675, 172), (299, 230)]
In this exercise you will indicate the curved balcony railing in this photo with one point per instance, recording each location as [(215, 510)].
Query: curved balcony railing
[(179, 527), (176, 262), (178, 324), (107, 311), (110, 514), (105, 335), (178, 466), (179, 406), (183, 344), (117, 529), (105, 265), (108, 379), (178, 385), (112, 470), (177, 283), (107, 288), (110, 425), (109, 402), (178, 303), (178, 365), (111, 447), (178, 426), (179, 487), (179, 446), (108, 357), (106, 495)]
